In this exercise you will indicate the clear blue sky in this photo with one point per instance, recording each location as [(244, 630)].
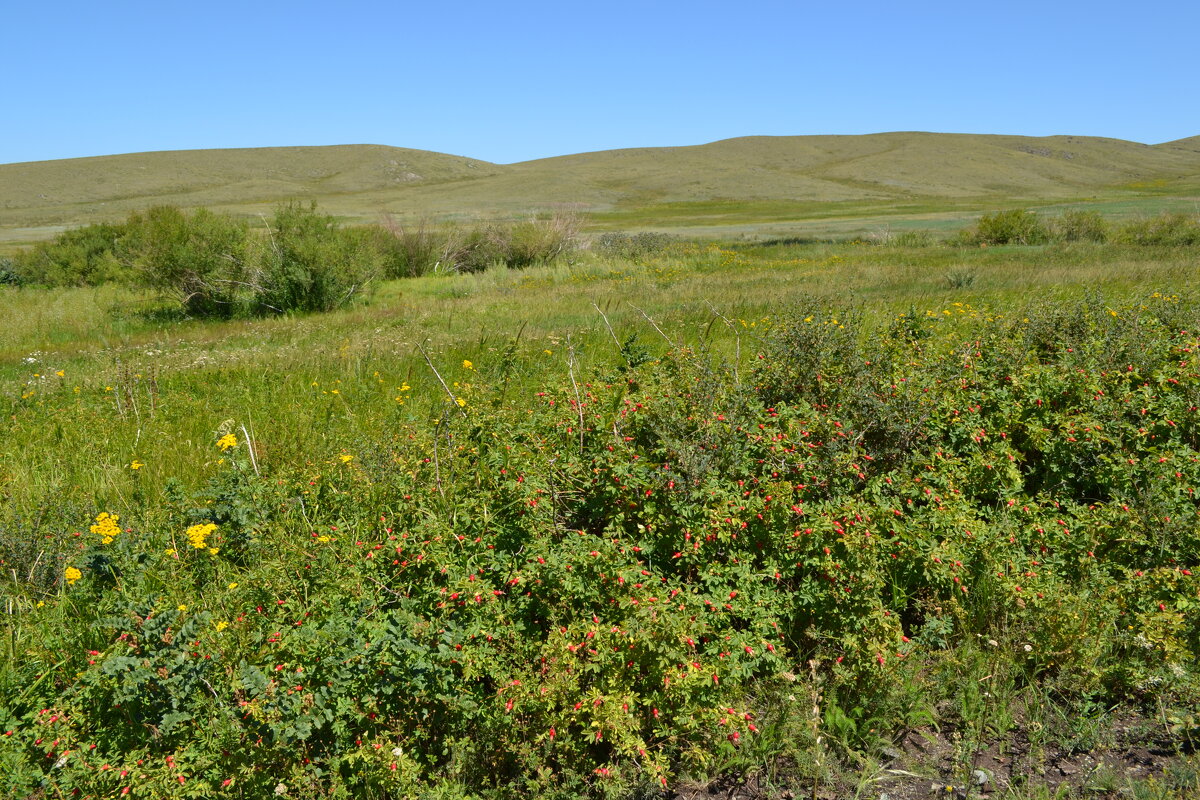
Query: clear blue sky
[(513, 81)]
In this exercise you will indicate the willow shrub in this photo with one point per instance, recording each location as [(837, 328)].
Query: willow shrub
[(197, 259), (309, 262), (87, 256)]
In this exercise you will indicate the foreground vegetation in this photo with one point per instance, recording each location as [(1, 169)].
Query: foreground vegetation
[(603, 527)]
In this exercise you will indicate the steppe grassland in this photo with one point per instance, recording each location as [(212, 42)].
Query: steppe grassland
[(112, 412), (278, 373)]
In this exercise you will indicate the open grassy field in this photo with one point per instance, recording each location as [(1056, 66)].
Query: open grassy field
[(761, 517)]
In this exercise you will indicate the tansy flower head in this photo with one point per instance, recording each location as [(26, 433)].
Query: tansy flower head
[(227, 441), (468, 364), (71, 574), (197, 534), (106, 527)]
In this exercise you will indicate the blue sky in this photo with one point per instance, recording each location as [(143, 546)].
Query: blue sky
[(514, 81)]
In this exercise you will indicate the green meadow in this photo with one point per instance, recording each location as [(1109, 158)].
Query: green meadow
[(846, 495)]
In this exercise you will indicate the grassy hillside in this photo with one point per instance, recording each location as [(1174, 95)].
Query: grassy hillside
[(85, 189), (887, 165), (730, 186)]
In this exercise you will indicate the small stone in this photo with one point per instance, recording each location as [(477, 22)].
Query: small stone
[(979, 778)]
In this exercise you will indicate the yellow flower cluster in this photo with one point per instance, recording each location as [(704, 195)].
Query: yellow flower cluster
[(198, 535), (106, 527), (72, 575), (227, 441)]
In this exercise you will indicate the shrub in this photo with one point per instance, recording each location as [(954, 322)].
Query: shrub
[(409, 251), (308, 262), (86, 256), (470, 250), (515, 245), (8, 273), (196, 259), (1079, 226), (1014, 226), (631, 245), (1166, 230), (537, 241)]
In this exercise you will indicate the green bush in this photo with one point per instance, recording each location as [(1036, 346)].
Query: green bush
[(470, 249), (1079, 226), (1014, 226), (538, 241), (8, 273), (1165, 230), (87, 256), (409, 252), (197, 259), (308, 262), (514, 245)]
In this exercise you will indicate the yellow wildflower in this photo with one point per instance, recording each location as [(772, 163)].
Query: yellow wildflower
[(220, 625), (232, 586), (197, 534), (72, 575), (136, 465), (181, 607), (61, 374), (227, 441), (468, 364), (106, 527), (346, 459), (460, 401)]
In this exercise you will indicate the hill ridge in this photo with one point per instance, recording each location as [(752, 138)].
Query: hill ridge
[(361, 181)]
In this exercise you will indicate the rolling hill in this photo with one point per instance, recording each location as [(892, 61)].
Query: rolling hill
[(711, 184)]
